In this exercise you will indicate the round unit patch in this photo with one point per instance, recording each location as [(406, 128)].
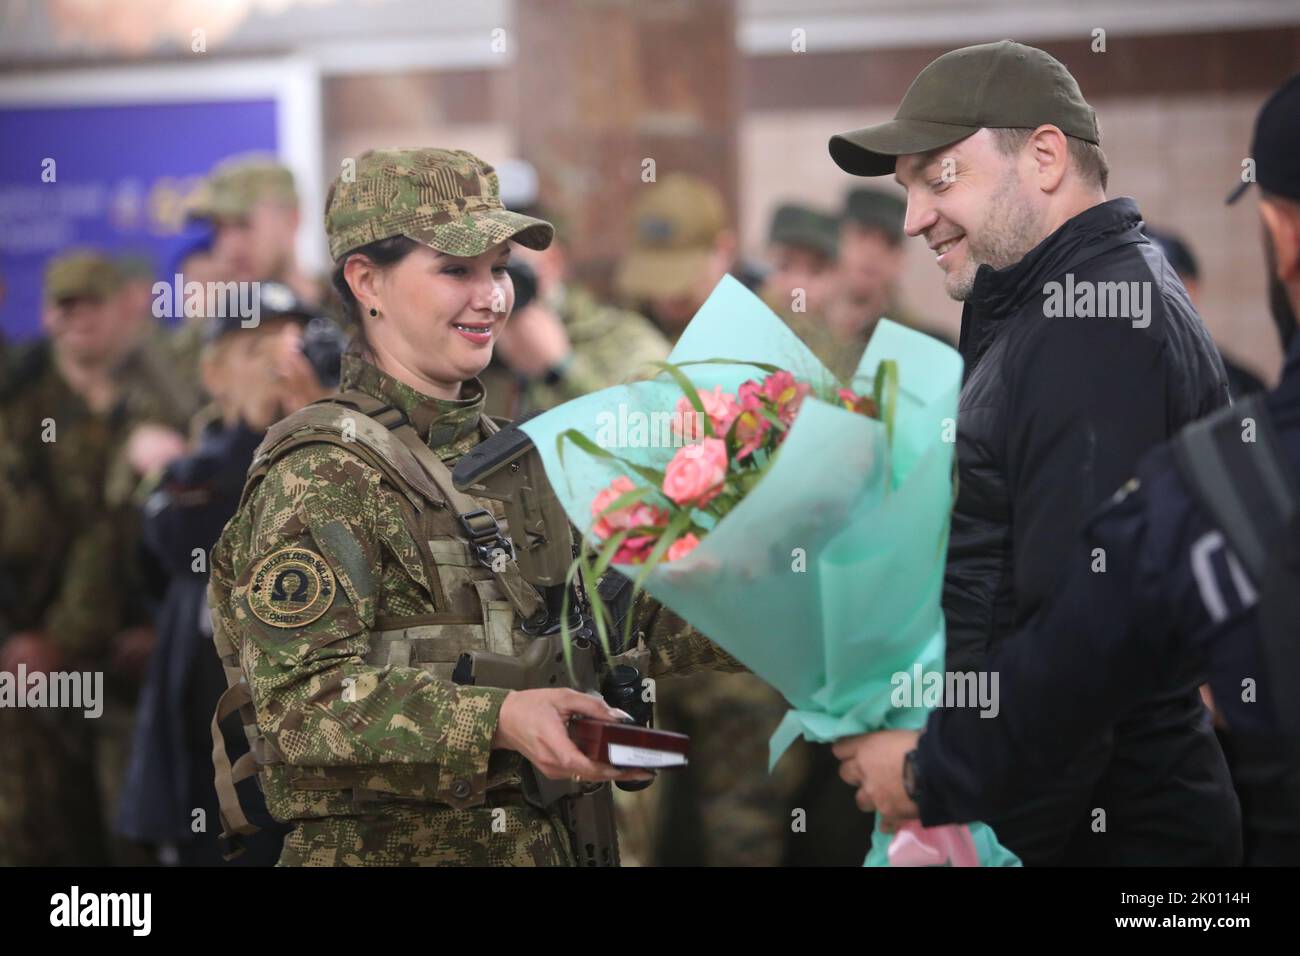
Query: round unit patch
[(291, 588)]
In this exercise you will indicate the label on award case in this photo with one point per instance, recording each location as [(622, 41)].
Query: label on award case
[(621, 755)]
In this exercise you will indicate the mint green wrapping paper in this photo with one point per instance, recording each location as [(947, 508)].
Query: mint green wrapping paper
[(826, 579)]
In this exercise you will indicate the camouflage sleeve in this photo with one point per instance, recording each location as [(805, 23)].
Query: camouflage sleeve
[(610, 346), (674, 646), (303, 606), (87, 608)]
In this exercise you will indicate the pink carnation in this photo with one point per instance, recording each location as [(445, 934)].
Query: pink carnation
[(752, 425), (697, 473), (782, 390)]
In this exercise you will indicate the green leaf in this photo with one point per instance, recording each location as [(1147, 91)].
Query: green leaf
[(886, 395), (765, 366), (651, 475)]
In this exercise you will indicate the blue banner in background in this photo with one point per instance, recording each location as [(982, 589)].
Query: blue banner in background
[(117, 178)]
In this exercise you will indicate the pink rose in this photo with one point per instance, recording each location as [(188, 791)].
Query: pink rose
[(720, 406), (682, 547), (697, 472), (604, 526)]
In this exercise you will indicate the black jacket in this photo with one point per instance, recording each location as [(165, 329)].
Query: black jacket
[(1168, 611), (1055, 412)]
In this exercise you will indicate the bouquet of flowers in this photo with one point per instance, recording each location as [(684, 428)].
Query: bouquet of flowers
[(798, 523)]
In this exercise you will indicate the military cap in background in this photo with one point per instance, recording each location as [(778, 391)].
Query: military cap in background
[(676, 223), (874, 209), (80, 274), (448, 199), (797, 225), (1003, 85), (238, 183)]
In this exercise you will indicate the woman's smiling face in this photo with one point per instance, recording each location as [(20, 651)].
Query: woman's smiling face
[(439, 314)]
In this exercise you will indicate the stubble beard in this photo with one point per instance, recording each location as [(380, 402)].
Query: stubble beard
[(1010, 229)]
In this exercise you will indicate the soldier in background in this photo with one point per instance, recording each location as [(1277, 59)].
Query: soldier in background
[(195, 263), (252, 205), (871, 263), (157, 396), (682, 245), (562, 341), (60, 555), (804, 284), (161, 392)]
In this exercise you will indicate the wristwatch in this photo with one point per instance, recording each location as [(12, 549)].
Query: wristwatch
[(910, 783)]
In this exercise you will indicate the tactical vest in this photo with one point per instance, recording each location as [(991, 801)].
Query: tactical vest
[(477, 607)]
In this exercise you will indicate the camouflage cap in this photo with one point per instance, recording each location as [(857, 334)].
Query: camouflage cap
[(875, 209), (80, 274), (797, 225), (676, 223), (448, 199), (238, 183)]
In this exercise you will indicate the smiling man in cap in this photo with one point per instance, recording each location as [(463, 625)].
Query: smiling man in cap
[(1223, 596), (1000, 156)]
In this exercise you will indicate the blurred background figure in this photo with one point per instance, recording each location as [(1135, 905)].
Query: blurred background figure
[(872, 260), (196, 262), (682, 245), (252, 207), (62, 555), (1241, 381), (562, 341), (256, 376), (803, 286)]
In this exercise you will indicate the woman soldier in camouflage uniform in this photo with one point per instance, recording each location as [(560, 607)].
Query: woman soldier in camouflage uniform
[(344, 589)]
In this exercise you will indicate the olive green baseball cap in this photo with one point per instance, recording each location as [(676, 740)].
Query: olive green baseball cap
[(1003, 85), (80, 274), (873, 209), (676, 222), (794, 224), (238, 183), (447, 199)]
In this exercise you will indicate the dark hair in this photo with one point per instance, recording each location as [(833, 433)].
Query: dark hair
[(383, 253), (1087, 157)]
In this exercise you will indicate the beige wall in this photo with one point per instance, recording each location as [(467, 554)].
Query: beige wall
[(1178, 156)]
